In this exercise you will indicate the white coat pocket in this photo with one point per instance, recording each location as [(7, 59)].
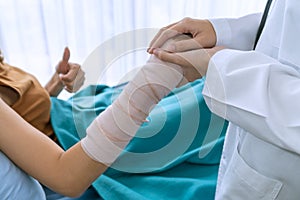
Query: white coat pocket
[(242, 182)]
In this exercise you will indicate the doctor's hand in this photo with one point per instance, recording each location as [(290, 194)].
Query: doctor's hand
[(70, 74), (201, 32), (194, 63)]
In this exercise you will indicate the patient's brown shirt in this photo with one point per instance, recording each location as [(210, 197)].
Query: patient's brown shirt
[(33, 103)]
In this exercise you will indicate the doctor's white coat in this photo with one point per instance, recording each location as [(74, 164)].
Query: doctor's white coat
[(259, 93)]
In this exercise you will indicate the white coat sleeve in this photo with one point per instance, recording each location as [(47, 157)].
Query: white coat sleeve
[(256, 93), (237, 33)]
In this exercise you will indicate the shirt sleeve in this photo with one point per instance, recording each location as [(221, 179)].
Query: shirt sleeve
[(237, 33), (256, 93)]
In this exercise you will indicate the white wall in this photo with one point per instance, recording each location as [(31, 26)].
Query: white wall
[(33, 33)]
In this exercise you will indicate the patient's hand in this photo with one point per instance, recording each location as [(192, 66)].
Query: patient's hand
[(71, 74)]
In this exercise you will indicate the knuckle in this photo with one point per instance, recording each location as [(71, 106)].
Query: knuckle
[(68, 78)]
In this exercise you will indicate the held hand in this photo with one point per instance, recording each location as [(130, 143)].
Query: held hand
[(201, 31), (194, 63), (71, 75)]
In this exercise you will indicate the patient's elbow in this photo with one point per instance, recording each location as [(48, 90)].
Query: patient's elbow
[(71, 191), (70, 187)]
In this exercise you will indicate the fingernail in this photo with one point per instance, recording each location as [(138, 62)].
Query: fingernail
[(150, 50)]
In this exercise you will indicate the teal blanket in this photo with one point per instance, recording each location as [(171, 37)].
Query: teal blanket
[(175, 154)]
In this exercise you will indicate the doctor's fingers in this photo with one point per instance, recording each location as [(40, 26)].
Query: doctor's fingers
[(162, 36), (201, 35), (186, 44), (170, 31), (195, 61), (201, 31)]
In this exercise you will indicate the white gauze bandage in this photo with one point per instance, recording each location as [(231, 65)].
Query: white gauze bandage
[(112, 130)]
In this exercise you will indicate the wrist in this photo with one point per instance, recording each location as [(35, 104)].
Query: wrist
[(55, 85), (212, 33)]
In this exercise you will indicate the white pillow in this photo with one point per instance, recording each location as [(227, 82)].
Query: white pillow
[(16, 184)]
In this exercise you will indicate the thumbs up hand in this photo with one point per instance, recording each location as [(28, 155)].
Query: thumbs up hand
[(70, 74)]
